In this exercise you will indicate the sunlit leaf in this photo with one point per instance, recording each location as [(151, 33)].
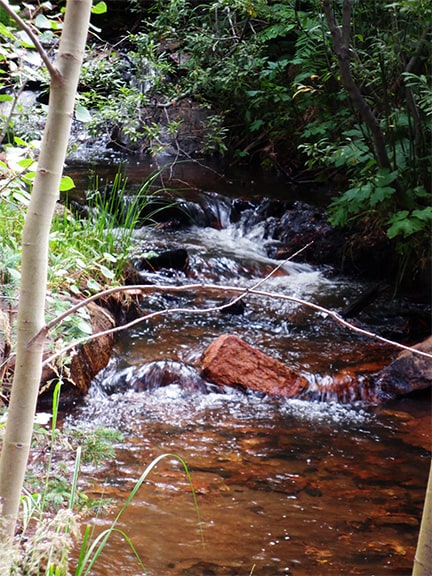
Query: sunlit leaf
[(109, 257), (82, 114), (84, 326), (6, 32), (109, 274), (26, 162), (99, 8), (41, 21), (66, 184), (29, 177), (24, 39), (19, 141), (93, 285)]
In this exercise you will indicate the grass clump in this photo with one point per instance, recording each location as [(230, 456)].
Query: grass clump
[(89, 253), (53, 506)]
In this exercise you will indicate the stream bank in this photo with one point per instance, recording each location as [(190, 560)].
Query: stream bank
[(287, 486)]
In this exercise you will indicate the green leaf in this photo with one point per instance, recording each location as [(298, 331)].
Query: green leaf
[(82, 114), (380, 194), (402, 224), (109, 274), (24, 39), (93, 285), (75, 289), (256, 125), (109, 257), (41, 21), (99, 8), (384, 177), (6, 32), (66, 184), (420, 192), (150, 254), (425, 214), (19, 141), (84, 326), (29, 176), (26, 163)]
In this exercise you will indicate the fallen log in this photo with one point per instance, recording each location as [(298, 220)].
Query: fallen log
[(86, 361)]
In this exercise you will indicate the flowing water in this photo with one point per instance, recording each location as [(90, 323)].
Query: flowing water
[(282, 486)]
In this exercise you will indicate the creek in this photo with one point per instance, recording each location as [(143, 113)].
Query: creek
[(283, 486)]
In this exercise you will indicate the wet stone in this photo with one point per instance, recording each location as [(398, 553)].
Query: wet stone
[(231, 361), (174, 259)]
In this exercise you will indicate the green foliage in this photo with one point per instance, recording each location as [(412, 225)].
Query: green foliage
[(21, 65), (99, 8), (89, 253), (14, 198), (387, 41), (52, 500), (270, 71), (406, 223)]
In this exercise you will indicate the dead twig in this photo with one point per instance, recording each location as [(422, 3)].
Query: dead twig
[(145, 288)]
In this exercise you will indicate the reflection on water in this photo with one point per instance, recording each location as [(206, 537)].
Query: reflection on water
[(283, 486), (289, 487)]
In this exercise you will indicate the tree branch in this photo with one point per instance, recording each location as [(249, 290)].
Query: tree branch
[(341, 47), (53, 71), (144, 288)]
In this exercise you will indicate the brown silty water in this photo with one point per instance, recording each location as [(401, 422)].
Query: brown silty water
[(283, 486)]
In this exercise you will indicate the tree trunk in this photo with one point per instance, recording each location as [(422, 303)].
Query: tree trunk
[(341, 46), (34, 267), (423, 555)]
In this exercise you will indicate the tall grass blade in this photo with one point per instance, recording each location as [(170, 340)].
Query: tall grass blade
[(55, 408), (84, 545), (88, 559), (74, 486)]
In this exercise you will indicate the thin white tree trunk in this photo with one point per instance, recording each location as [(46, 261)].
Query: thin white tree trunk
[(423, 555), (35, 244)]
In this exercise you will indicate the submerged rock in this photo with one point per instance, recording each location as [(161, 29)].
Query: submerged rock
[(408, 373), (151, 376), (166, 372), (172, 259)]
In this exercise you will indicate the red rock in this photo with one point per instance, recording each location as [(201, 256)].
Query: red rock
[(230, 361)]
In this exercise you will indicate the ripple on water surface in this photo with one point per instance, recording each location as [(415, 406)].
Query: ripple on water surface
[(287, 486)]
